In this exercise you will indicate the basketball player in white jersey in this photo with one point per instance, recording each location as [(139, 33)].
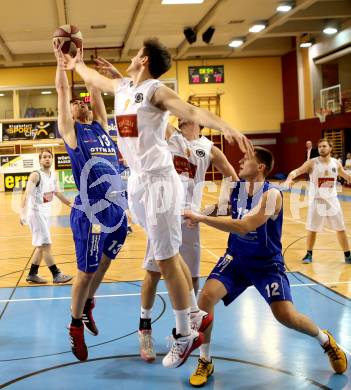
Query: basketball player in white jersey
[(36, 209), (142, 106), (324, 206), (192, 155)]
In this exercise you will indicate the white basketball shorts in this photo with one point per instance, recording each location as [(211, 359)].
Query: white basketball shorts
[(325, 213), (155, 204), (40, 228), (189, 250)]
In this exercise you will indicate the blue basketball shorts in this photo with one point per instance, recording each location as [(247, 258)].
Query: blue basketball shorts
[(94, 238), (237, 275)]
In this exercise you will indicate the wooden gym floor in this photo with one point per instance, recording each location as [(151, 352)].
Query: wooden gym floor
[(328, 267)]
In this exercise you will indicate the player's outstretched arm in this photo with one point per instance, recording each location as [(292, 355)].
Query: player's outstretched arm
[(269, 206), (165, 98), (64, 121), (89, 75), (31, 184), (63, 199), (106, 69), (304, 168), (98, 106), (221, 162), (170, 130), (343, 173)]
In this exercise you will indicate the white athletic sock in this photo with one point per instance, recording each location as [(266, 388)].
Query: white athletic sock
[(322, 337), (145, 313), (193, 302), (182, 321), (205, 352)]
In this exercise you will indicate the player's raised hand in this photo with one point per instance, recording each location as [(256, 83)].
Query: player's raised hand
[(58, 53), (106, 69), (244, 143), (71, 62), (288, 183), (290, 179)]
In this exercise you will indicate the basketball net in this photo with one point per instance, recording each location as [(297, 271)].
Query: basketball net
[(322, 114)]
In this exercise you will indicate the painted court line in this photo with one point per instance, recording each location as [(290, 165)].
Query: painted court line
[(138, 294), (210, 252)]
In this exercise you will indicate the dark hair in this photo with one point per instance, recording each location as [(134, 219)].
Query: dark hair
[(74, 100), (325, 140), (43, 151), (264, 156), (159, 57)]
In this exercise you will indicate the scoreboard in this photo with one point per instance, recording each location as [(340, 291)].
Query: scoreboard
[(85, 96), (206, 74)]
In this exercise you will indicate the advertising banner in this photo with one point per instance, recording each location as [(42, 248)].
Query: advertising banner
[(62, 161), (66, 180), (112, 129), (16, 163), (15, 181), (29, 130)]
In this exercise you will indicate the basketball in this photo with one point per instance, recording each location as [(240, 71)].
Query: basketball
[(71, 38)]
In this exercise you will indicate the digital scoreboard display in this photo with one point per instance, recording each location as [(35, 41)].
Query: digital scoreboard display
[(85, 96), (206, 74)]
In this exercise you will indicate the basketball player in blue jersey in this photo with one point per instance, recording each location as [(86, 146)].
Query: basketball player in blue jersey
[(254, 258), (98, 220)]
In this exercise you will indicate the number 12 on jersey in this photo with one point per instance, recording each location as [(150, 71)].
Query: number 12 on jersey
[(272, 290)]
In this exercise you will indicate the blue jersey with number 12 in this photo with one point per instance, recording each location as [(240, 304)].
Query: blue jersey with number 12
[(262, 246)]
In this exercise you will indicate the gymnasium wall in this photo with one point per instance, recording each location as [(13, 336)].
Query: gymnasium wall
[(252, 91), (253, 94)]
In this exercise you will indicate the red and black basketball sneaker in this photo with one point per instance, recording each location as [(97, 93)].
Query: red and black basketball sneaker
[(200, 320), (88, 319), (79, 348)]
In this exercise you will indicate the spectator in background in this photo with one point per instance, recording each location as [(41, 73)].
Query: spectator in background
[(311, 152), (30, 111), (347, 165), (50, 112), (336, 156)]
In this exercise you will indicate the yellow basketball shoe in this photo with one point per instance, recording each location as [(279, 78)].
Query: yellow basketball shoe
[(203, 371), (337, 356)]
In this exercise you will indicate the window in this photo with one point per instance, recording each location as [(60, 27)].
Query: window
[(38, 102), (6, 104)]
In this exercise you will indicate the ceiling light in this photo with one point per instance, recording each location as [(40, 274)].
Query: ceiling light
[(258, 27), (305, 44), (46, 92), (236, 42), (284, 7), (329, 30), (306, 41), (182, 1), (105, 93), (2, 94)]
